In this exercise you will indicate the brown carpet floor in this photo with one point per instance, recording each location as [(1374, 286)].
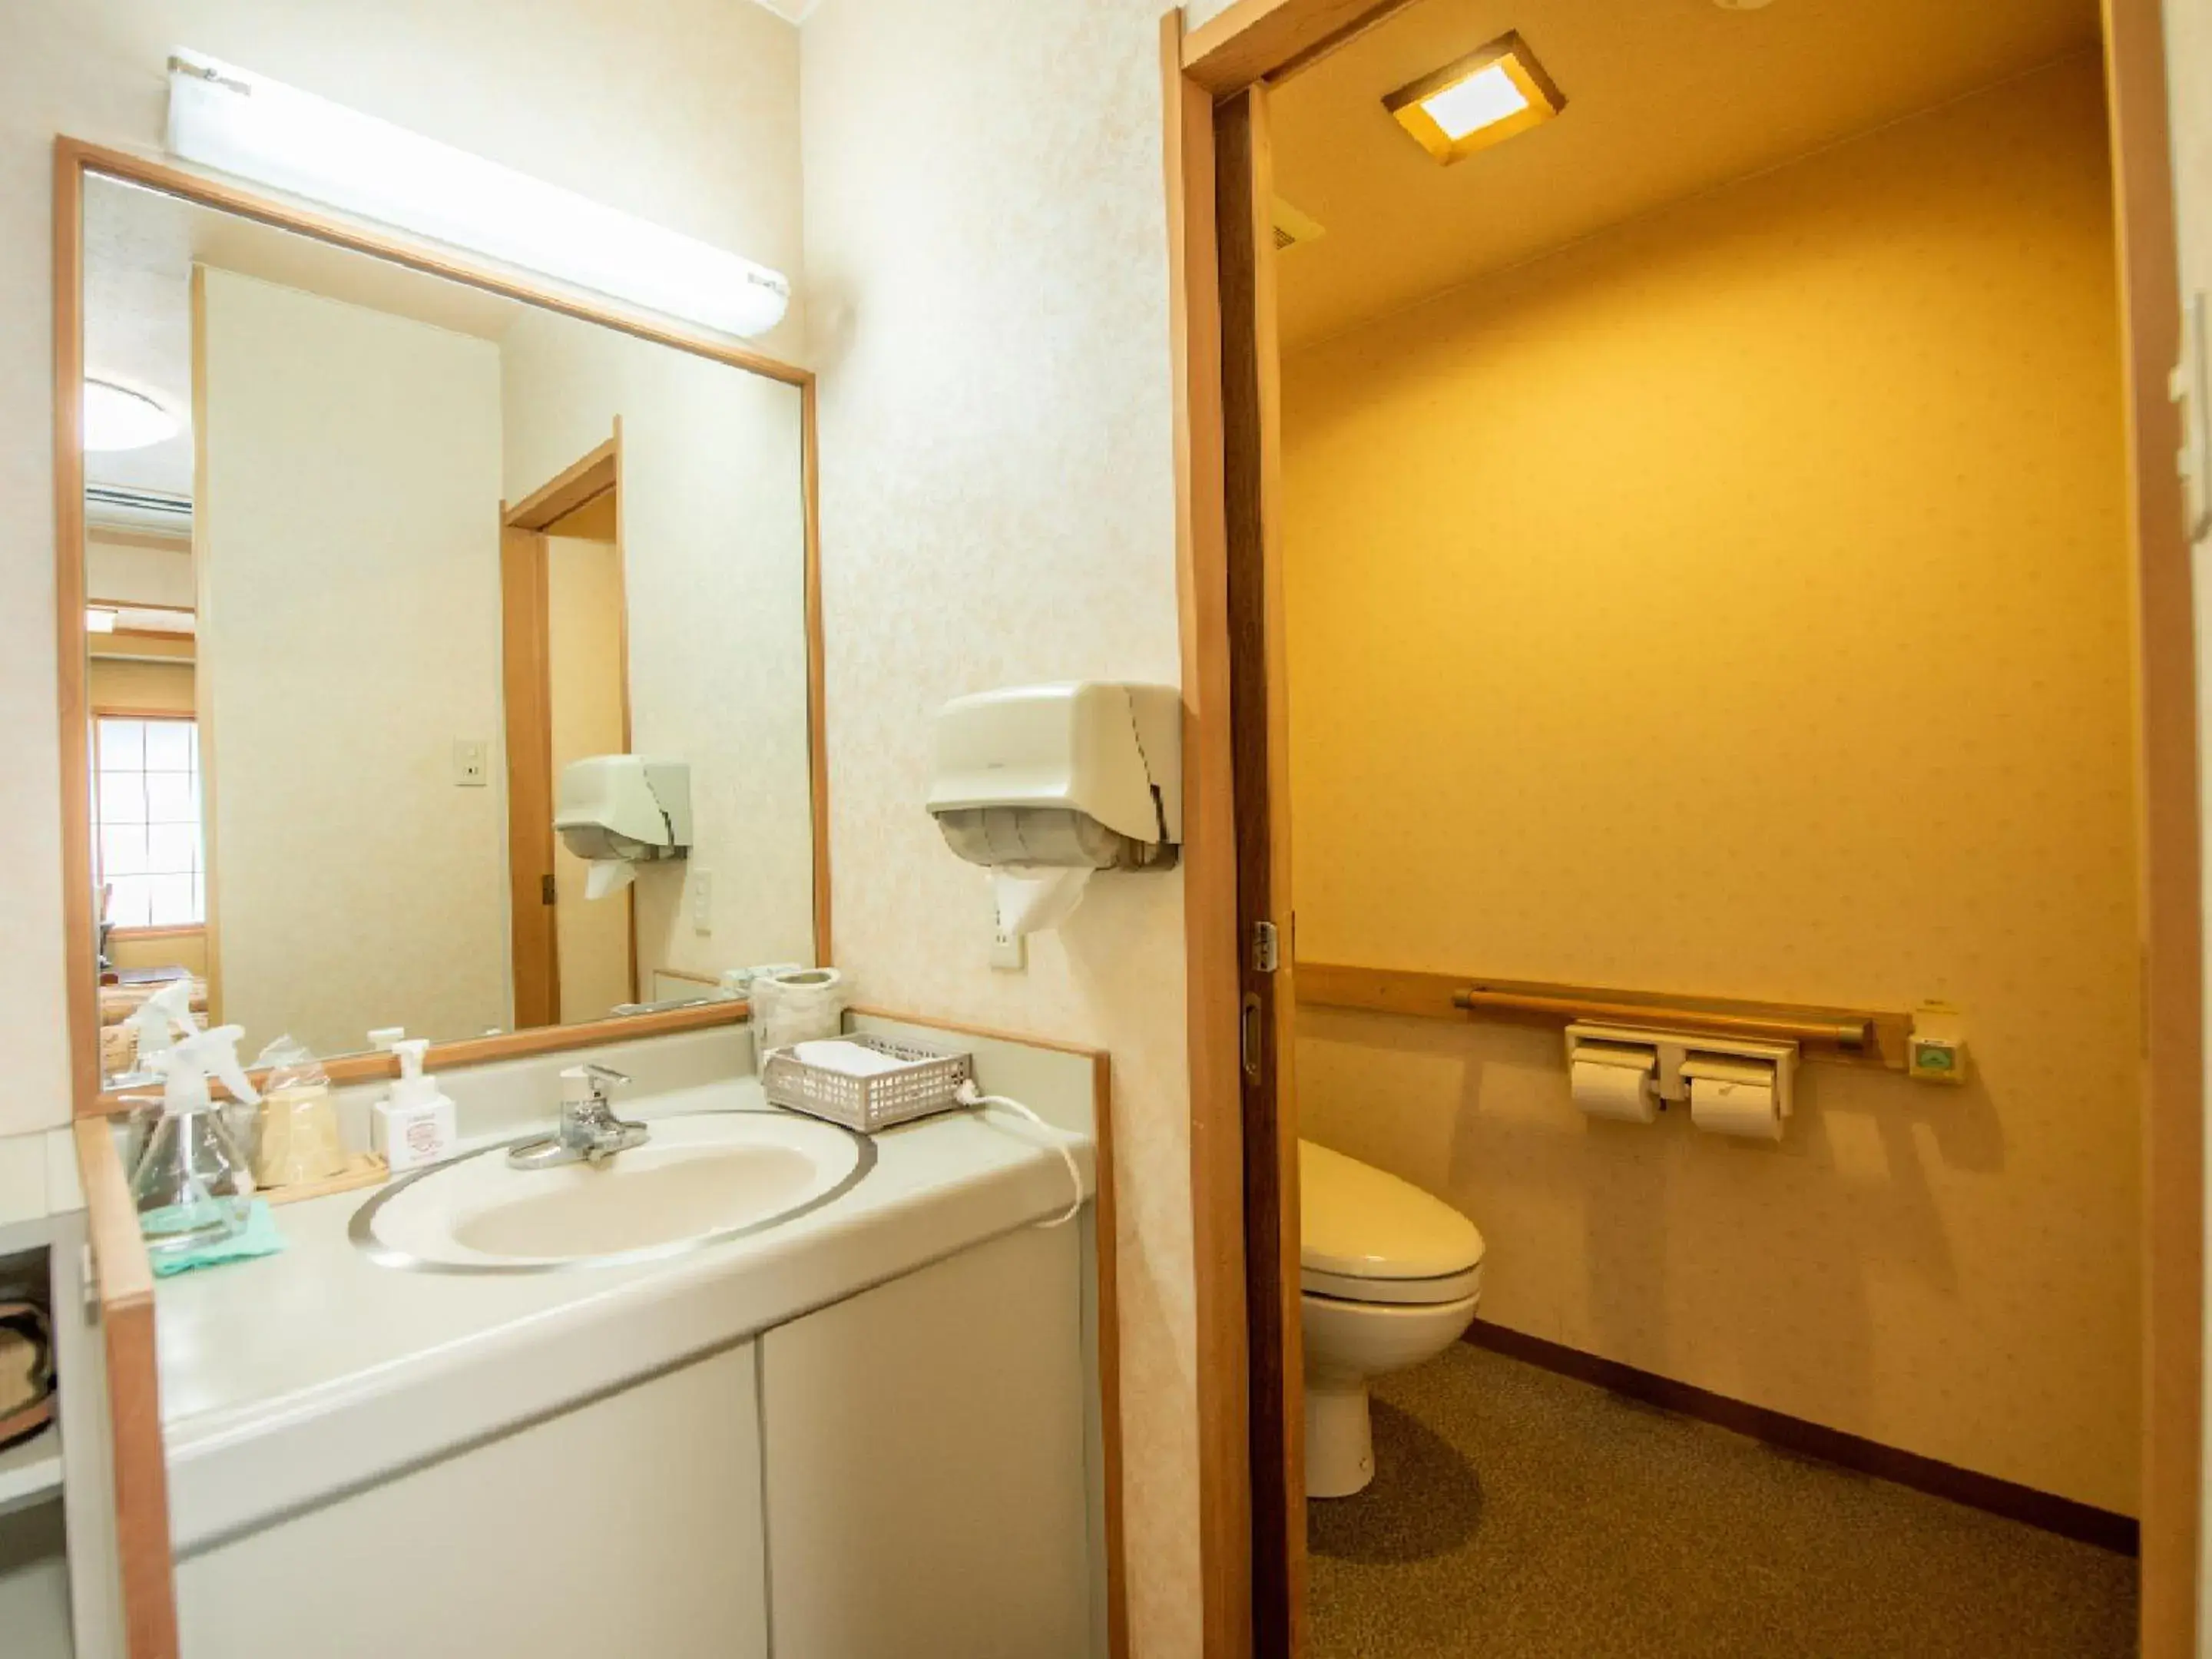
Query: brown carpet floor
[(1517, 1513)]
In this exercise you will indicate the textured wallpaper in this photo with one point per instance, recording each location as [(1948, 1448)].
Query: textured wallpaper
[(715, 558), (1738, 602), (987, 287), (349, 638)]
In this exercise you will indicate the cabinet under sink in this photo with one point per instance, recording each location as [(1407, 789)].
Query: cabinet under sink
[(903, 1471)]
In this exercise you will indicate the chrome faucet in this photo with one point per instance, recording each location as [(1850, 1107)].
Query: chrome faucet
[(590, 1132)]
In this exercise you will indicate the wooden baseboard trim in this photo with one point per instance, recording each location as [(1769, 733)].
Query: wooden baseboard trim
[(2084, 1522)]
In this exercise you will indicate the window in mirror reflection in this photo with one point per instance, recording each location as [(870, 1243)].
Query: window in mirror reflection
[(146, 813)]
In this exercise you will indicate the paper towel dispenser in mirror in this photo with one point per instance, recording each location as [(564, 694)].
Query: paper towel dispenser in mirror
[(1082, 776), (615, 811)]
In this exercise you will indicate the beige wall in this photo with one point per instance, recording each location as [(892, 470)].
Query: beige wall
[(1737, 603), (713, 567), (987, 282), (117, 569), (349, 540), (692, 122), (155, 687)]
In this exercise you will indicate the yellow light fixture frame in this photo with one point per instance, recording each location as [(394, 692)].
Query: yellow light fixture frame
[(1510, 52)]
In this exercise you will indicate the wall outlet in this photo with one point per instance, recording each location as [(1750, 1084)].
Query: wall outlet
[(471, 770), (701, 889), (1010, 952)]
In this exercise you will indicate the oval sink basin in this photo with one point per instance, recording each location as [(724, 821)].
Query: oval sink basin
[(701, 1179)]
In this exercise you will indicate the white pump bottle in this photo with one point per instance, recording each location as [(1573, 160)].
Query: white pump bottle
[(414, 1124)]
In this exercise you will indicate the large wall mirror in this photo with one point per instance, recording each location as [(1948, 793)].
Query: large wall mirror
[(384, 573)]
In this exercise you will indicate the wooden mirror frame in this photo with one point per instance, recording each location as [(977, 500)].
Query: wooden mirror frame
[(76, 160)]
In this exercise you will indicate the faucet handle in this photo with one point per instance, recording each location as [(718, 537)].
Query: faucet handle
[(596, 1081)]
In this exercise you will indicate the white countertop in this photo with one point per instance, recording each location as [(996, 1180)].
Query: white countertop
[(315, 1371)]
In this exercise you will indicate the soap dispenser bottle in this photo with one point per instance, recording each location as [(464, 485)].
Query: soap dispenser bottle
[(413, 1125), (192, 1185)]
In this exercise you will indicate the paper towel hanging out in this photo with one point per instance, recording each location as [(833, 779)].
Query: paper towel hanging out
[(618, 811), (1044, 784)]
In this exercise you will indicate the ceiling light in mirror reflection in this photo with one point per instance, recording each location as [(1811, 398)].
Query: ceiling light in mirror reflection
[(1486, 97), (116, 417)]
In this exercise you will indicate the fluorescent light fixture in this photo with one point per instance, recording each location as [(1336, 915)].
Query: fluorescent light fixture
[(116, 417), (239, 122), (97, 619), (1490, 95)]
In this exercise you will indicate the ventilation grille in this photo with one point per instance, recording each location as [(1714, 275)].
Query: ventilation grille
[(1292, 227)]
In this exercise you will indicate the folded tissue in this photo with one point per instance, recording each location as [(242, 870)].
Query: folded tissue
[(850, 1058)]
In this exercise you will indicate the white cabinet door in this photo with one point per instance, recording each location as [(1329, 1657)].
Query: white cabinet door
[(630, 1525), (926, 1446)]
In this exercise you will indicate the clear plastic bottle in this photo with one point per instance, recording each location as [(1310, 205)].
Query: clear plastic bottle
[(193, 1186)]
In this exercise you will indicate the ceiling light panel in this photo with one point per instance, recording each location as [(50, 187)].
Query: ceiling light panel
[(1487, 96)]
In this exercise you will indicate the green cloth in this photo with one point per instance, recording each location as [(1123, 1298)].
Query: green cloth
[(258, 1237)]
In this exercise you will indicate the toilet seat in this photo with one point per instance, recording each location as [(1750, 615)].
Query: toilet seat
[(1365, 1235)]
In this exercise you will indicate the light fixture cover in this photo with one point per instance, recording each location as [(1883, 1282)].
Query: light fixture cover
[(99, 619), (116, 417), (1490, 95), (239, 122)]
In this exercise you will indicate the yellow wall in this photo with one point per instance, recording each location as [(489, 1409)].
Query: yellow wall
[(1735, 603)]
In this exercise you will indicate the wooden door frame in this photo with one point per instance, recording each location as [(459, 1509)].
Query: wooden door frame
[(1205, 70), (525, 669)]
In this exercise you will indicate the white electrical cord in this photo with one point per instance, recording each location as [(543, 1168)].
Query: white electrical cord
[(970, 1095)]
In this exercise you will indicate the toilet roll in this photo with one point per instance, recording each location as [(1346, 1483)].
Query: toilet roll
[(1734, 1098), (1619, 1089), (1033, 898), (606, 876)]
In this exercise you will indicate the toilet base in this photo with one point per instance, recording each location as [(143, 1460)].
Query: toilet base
[(1340, 1436)]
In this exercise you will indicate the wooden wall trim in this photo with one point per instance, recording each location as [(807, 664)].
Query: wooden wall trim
[(507, 1045), (73, 697), (125, 1282), (818, 670), (2173, 1122), (2066, 1516), (1209, 863)]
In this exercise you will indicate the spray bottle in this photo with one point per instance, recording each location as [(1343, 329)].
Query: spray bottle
[(193, 1186), (154, 1026)]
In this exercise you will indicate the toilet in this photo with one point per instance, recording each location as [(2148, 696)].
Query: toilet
[(1390, 1278)]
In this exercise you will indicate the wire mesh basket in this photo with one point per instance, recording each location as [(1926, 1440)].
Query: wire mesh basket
[(926, 1080)]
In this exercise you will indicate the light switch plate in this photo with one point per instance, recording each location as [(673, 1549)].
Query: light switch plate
[(701, 886), (470, 769), (1010, 952)]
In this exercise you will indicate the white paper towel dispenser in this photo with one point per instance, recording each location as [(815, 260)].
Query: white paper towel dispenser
[(616, 811), (1048, 783)]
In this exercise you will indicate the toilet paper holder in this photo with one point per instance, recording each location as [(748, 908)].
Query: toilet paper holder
[(1675, 1051)]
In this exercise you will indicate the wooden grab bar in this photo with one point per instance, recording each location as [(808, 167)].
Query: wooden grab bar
[(1848, 1034), (1852, 1033)]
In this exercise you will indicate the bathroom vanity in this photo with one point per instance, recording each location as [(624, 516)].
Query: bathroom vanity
[(869, 1428)]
